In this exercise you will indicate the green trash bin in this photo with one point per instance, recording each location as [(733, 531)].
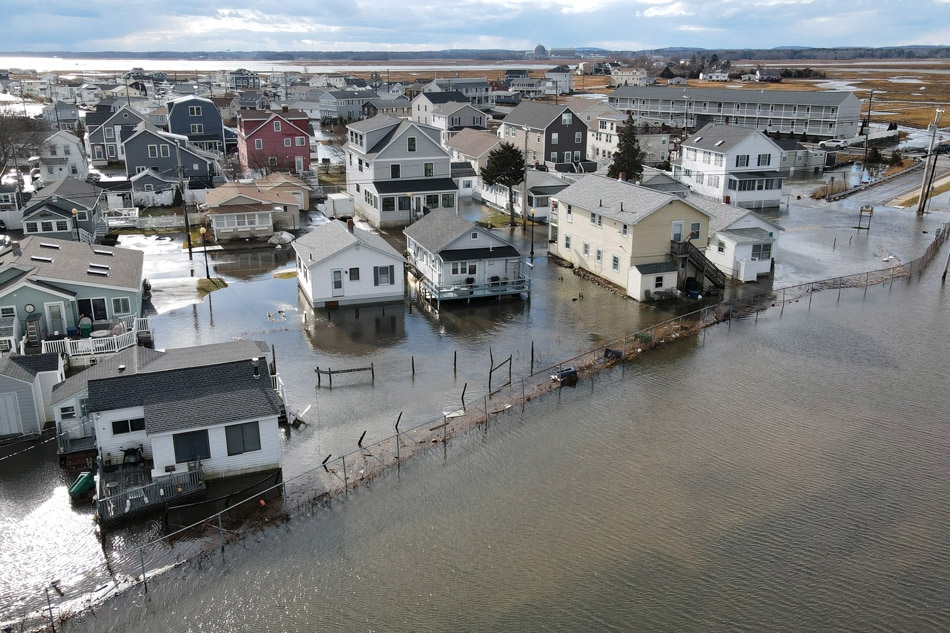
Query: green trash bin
[(85, 328)]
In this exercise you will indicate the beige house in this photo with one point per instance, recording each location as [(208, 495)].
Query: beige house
[(238, 211), (286, 183), (644, 241)]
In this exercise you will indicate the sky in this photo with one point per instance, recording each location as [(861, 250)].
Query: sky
[(417, 25)]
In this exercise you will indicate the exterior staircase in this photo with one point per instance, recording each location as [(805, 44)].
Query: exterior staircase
[(700, 261)]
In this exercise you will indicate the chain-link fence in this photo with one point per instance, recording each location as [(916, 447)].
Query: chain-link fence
[(194, 542)]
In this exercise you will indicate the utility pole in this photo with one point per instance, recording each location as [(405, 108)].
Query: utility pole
[(929, 169), (524, 184), (184, 196), (867, 127)]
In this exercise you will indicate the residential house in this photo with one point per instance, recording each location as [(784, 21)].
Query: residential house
[(338, 264), (475, 89), (799, 161), (198, 119), (742, 243), (400, 108), (148, 147), (60, 115), (539, 186), (62, 154), (548, 134), (620, 76), (425, 103), (242, 79), (26, 384), (65, 297), (559, 80), (735, 165), (11, 208), (715, 75), (88, 94), (527, 87), (152, 189), (272, 141), (604, 140), (227, 106), (396, 170), (643, 241), (105, 129), (281, 182), (238, 211), (820, 113), (184, 418), (472, 145), (659, 180), (344, 105), (67, 209), (456, 259), (450, 118), (252, 100)]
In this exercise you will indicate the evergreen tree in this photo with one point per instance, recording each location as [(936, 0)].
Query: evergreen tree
[(505, 167), (628, 159)]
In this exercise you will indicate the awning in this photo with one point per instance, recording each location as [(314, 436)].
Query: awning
[(384, 187)]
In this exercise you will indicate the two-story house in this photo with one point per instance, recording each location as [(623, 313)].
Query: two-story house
[(105, 129), (274, 141), (149, 148), (61, 115), (62, 154), (198, 119), (451, 118), (11, 208), (643, 241), (67, 209), (476, 90), (548, 134), (396, 170), (735, 165), (242, 79), (559, 80), (425, 103)]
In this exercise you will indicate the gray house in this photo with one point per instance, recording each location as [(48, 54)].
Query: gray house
[(104, 132), (548, 134), (50, 212), (26, 384), (163, 152), (199, 119)]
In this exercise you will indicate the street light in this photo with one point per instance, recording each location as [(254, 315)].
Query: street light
[(204, 243), (75, 213), (532, 234)]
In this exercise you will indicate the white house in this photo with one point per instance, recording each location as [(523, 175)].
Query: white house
[(338, 264), (742, 243), (456, 259), (451, 118), (62, 155), (396, 169), (732, 164), (26, 383)]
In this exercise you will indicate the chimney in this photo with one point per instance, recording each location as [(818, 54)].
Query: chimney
[(284, 109), (257, 368), (16, 249), (349, 225)]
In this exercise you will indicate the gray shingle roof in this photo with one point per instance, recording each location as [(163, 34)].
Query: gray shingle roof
[(722, 215), (749, 235), (732, 95), (25, 368), (720, 138), (472, 142), (656, 268), (622, 201), (534, 114), (333, 237), (438, 229), (65, 261)]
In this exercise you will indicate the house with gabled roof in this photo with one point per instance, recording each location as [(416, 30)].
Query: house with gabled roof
[(11, 210), (396, 170), (742, 243), (451, 118), (152, 189), (339, 264), (199, 120), (286, 183), (50, 211), (456, 259), (105, 129), (148, 147), (473, 146), (475, 89), (425, 103), (56, 294), (239, 211), (548, 134), (274, 141), (26, 384), (643, 241), (62, 154)]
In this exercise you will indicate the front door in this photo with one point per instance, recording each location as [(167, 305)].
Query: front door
[(55, 318), (677, 233), (298, 164), (336, 279)]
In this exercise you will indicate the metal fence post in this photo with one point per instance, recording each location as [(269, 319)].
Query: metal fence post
[(49, 605), (142, 562), (345, 484), (221, 534)]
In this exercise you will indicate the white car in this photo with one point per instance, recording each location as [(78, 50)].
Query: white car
[(834, 143)]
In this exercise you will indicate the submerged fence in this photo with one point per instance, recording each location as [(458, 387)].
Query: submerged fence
[(272, 502)]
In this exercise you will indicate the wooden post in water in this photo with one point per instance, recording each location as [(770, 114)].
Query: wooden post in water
[(455, 360), (397, 435), (318, 375), (142, 563), (413, 365), (345, 485), (372, 373), (221, 534), (463, 394), (782, 311), (945, 267), (531, 369)]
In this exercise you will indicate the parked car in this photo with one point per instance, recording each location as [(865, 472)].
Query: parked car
[(833, 143)]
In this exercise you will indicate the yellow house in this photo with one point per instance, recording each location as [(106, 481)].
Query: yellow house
[(644, 241)]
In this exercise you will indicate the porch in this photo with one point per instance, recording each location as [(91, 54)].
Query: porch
[(498, 288), (127, 490), (116, 336)]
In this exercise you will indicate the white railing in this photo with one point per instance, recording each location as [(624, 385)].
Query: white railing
[(101, 344)]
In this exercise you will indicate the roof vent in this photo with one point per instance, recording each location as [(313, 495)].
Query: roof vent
[(106, 253), (96, 271), (37, 258), (48, 245), (102, 266), (121, 368)]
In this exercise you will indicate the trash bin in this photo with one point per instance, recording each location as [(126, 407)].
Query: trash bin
[(85, 327)]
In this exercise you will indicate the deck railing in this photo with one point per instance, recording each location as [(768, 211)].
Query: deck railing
[(103, 344), (135, 499), (468, 291)]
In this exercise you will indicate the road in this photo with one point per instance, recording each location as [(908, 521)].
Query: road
[(890, 192)]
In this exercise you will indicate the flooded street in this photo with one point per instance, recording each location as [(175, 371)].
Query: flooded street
[(732, 481)]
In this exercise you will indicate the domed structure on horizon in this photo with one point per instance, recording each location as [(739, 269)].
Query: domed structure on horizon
[(540, 51)]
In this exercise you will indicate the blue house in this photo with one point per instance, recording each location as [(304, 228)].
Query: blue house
[(149, 148), (199, 119), (50, 213)]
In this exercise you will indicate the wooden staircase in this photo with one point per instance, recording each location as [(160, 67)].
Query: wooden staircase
[(700, 261)]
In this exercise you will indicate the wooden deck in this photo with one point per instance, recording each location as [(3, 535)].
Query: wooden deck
[(128, 490)]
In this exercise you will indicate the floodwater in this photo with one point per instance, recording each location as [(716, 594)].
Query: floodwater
[(495, 514), (782, 472)]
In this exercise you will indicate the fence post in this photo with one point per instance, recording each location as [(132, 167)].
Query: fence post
[(811, 293), (221, 534), (345, 484), (49, 605), (142, 562), (782, 311), (840, 281)]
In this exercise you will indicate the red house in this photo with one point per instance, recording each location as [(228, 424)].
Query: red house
[(273, 141)]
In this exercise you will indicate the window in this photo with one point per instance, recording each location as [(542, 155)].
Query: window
[(761, 251), (127, 426), (46, 226), (383, 276), (765, 160), (93, 308), (389, 203), (448, 200), (242, 438), (566, 118), (593, 218), (411, 143), (658, 282), (553, 157), (166, 151), (288, 142), (277, 126), (567, 242), (577, 156), (8, 311), (29, 227), (301, 141), (428, 169), (474, 235), (194, 110), (623, 230), (258, 143), (62, 225), (432, 200), (742, 160), (586, 249), (149, 187), (554, 138), (67, 413), (694, 230), (721, 247), (153, 151), (569, 215), (191, 446), (121, 305), (615, 264), (394, 171), (197, 128), (52, 150), (354, 274), (567, 157), (110, 134), (578, 137), (600, 255)]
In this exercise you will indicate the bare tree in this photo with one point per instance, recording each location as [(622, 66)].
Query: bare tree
[(20, 137)]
